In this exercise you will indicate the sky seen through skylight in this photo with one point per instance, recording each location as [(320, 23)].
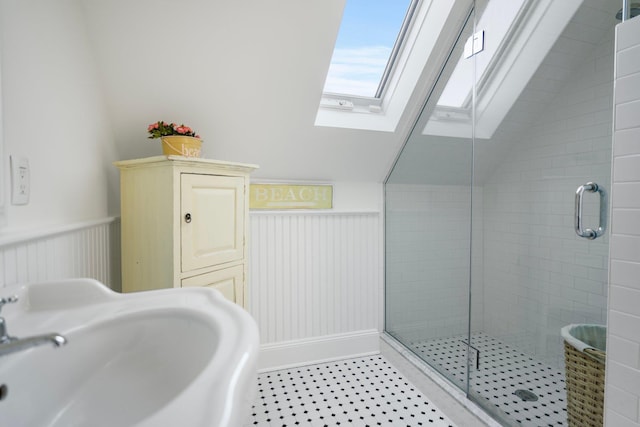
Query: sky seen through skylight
[(367, 34)]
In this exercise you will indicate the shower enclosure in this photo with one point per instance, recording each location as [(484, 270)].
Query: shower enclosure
[(484, 264)]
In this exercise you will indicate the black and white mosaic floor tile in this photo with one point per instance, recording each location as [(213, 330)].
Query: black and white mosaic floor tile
[(365, 391), (503, 376)]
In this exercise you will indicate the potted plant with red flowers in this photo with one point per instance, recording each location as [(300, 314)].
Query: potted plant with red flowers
[(179, 140)]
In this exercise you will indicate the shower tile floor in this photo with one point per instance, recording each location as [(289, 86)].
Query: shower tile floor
[(366, 391), (502, 370)]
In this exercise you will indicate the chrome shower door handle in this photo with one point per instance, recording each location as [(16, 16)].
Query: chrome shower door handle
[(589, 233)]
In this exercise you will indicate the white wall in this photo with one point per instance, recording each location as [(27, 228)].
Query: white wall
[(247, 75), (622, 394), (54, 114), (58, 110)]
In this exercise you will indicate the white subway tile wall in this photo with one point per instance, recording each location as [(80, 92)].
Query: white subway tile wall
[(539, 275), (622, 394), (427, 258)]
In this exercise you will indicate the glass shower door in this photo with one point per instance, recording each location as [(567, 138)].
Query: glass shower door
[(483, 263), (428, 234), (542, 132)]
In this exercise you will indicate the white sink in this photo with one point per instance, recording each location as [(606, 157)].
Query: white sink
[(179, 357)]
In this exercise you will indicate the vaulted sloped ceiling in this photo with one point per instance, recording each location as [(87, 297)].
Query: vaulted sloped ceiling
[(247, 75)]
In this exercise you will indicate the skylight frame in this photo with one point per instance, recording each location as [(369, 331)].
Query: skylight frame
[(342, 101), (397, 48), (428, 41)]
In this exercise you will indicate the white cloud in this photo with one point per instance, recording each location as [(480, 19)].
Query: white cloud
[(356, 71)]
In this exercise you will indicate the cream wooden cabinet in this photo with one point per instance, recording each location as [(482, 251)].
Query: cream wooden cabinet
[(184, 223)]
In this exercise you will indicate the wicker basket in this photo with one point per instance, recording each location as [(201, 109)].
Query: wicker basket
[(585, 386)]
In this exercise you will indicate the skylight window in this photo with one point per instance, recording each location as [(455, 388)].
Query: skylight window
[(369, 39), (417, 32)]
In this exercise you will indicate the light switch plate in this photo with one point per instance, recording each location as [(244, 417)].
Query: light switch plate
[(20, 180)]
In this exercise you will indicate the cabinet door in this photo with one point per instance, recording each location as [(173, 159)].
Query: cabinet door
[(212, 220), (229, 281)]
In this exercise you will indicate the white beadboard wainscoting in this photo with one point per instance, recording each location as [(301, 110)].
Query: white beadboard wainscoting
[(315, 284), (315, 279), (88, 249)]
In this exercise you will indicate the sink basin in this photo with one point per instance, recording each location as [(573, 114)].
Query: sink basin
[(179, 357)]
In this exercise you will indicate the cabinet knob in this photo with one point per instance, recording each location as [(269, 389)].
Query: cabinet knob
[(187, 218)]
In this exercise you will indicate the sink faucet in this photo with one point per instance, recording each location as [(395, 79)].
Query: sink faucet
[(9, 344)]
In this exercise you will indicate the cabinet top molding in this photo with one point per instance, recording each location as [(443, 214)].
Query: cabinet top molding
[(184, 161)]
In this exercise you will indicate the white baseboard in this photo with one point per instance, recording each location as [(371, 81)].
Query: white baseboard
[(322, 349)]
